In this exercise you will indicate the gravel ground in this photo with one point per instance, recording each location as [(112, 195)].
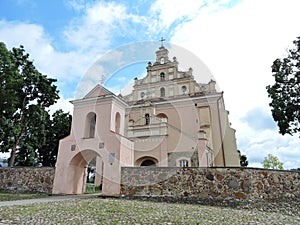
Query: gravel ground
[(126, 211)]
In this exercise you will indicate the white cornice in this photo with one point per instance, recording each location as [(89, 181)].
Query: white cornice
[(99, 99), (170, 101)]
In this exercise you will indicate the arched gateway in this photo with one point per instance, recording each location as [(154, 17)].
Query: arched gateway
[(94, 135)]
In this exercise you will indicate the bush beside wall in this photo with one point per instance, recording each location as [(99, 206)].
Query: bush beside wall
[(210, 183), (27, 179)]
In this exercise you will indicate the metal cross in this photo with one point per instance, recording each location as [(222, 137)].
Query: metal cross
[(162, 41)]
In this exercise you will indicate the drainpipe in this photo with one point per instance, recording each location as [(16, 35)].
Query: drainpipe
[(221, 136)]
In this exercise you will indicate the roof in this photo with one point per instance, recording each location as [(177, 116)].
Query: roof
[(98, 91)]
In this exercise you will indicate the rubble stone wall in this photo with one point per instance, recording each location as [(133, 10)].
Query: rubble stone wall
[(210, 183), (27, 179)]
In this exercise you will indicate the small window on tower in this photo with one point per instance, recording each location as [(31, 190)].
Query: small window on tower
[(147, 119), (162, 77), (162, 92)]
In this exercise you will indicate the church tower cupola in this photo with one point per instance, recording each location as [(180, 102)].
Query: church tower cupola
[(162, 54)]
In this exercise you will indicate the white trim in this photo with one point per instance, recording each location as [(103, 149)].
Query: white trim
[(99, 98), (177, 100)]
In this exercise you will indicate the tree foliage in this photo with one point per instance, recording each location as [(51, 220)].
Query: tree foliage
[(25, 95), (285, 93), (243, 161), (272, 162), (57, 128)]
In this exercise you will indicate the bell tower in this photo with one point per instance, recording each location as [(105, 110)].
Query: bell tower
[(162, 54)]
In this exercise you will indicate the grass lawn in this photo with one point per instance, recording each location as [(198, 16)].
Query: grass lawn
[(122, 211)]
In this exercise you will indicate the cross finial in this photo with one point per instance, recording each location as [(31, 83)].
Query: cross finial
[(162, 41), (102, 79)]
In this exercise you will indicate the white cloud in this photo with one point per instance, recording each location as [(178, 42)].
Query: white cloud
[(239, 45), (168, 13), (101, 21), (67, 66), (63, 104)]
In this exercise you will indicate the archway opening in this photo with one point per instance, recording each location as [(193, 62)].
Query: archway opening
[(87, 172), (148, 162)]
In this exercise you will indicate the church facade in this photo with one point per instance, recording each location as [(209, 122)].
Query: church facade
[(168, 120)]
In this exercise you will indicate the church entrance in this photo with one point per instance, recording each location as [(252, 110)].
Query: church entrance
[(148, 162), (94, 176), (87, 172)]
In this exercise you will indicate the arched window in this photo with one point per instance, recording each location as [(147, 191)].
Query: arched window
[(90, 125), (184, 89), (162, 117), (162, 77), (147, 119), (162, 92), (117, 123)]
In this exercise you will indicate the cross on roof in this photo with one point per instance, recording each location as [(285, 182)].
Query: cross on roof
[(162, 41)]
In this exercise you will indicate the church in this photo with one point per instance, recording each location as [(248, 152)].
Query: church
[(168, 120)]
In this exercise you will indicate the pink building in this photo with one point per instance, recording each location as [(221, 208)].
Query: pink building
[(168, 120)]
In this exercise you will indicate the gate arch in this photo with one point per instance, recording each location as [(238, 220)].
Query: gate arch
[(147, 161)]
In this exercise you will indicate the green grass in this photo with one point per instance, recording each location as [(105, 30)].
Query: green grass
[(122, 211), (91, 189), (19, 196)]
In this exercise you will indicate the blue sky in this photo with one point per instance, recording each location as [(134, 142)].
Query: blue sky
[(236, 40)]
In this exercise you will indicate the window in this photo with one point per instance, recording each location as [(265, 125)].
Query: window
[(162, 92), (117, 123), (162, 77), (147, 119), (183, 163), (142, 95), (90, 125), (183, 88)]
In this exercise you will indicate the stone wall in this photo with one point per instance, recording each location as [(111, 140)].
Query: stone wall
[(210, 183), (26, 179)]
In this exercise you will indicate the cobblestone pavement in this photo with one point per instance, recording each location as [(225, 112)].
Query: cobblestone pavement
[(87, 209)]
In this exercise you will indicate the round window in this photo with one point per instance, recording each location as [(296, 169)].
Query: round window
[(183, 88)]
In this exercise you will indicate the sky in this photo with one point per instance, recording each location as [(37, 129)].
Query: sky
[(237, 40)]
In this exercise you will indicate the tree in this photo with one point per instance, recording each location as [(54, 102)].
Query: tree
[(285, 93), (243, 160), (272, 162), (33, 139), (9, 81), (57, 128), (27, 93)]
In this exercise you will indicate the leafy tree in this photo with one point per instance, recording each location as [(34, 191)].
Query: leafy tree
[(272, 162), (285, 93), (33, 139), (9, 81), (243, 160), (56, 128), (26, 95)]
